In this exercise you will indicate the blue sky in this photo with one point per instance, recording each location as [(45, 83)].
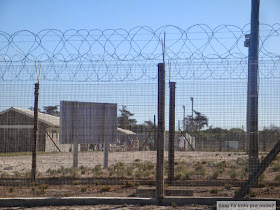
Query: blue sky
[(36, 15), (210, 98)]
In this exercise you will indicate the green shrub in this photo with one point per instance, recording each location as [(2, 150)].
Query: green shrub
[(73, 172), (97, 170), (83, 169), (106, 189), (213, 191), (228, 186), (117, 169), (199, 169), (222, 165), (129, 170), (146, 173), (16, 174), (148, 166), (51, 171), (233, 174), (129, 184), (261, 185), (244, 174), (67, 194), (76, 183), (174, 205), (252, 193), (4, 175), (181, 172), (215, 175), (83, 189), (44, 186), (144, 169), (11, 190)]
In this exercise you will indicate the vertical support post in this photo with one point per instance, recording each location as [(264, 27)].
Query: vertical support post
[(171, 132), (75, 154), (74, 133), (105, 140), (161, 132), (35, 134), (252, 95), (155, 133), (184, 116), (192, 105)]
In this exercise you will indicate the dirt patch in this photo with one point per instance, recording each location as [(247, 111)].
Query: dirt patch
[(191, 167)]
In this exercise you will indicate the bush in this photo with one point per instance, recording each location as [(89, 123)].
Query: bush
[(233, 174), (222, 165), (4, 175), (228, 186), (129, 184), (106, 189), (215, 175), (213, 191), (44, 186), (11, 190), (83, 189), (181, 172), (199, 169), (97, 170), (76, 183), (252, 193)]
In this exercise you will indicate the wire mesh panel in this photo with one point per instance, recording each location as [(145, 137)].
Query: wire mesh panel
[(208, 139)]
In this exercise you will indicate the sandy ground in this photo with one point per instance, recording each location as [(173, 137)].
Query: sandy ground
[(10, 164)]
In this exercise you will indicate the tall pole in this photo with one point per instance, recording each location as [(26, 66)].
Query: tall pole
[(192, 105), (155, 133), (171, 132), (161, 132), (35, 133), (252, 94), (184, 116)]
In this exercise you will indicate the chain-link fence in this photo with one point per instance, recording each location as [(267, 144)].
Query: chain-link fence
[(98, 113)]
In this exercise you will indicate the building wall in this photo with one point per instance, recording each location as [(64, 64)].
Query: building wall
[(16, 133)]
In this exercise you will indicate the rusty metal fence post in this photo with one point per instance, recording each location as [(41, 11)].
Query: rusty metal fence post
[(35, 133), (171, 131), (161, 132)]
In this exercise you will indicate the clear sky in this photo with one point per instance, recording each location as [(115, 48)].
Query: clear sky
[(211, 97), (36, 15)]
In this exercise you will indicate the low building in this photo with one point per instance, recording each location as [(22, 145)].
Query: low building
[(16, 132)]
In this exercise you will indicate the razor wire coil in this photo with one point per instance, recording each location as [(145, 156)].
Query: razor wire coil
[(198, 52)]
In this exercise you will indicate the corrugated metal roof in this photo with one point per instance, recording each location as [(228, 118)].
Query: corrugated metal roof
[(50, 120), (128, 132)]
